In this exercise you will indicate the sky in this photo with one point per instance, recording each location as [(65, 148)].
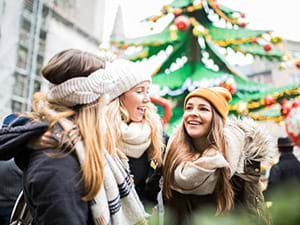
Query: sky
[(282, 17)]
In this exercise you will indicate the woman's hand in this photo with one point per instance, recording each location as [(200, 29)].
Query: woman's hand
[(42, 142)]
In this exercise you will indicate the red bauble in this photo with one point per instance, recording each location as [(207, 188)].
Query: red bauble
[(283, 101), (254, 40), (296, 103), (286, 108), (267, 47), (269, 100), (292, 125), (182, 23), (242, 24), (232, 89)]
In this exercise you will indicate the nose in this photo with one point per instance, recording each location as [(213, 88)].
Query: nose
[(146, 98), (195, 112)]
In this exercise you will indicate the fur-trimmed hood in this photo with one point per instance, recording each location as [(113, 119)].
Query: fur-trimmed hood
[(246, 141)]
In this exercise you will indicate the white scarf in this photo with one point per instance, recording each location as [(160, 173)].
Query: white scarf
[(135, 138)]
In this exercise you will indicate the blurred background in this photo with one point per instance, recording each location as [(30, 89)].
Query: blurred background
[(251, 47), (261, 80)]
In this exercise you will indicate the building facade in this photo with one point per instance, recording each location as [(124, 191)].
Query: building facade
[(31, 32), (274, 72)]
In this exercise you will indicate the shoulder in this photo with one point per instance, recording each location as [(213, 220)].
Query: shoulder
[(52, 172), (54, 190), (275, 169), (16, 131), (247, 140)]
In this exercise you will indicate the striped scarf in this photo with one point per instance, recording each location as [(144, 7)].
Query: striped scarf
[(117, 202)]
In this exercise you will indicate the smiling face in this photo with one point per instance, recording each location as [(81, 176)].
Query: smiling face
[(135, 101), (197, 117)]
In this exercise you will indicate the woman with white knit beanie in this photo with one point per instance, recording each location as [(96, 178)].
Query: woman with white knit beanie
[(136, 125), (82, 180)]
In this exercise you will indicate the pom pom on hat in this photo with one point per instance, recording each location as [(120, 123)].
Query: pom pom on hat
[(217, 96)]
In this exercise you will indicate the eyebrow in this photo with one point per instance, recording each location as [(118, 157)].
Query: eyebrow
[(143, 87), (201, 104)]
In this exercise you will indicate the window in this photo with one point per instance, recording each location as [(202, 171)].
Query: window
[(17, 106), (37, 86), (20, 85), (39, 65), (22, 58)]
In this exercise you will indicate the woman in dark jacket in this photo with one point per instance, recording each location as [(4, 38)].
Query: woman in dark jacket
[(82, 180)]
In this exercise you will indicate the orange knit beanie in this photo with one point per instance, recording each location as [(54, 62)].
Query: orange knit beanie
[(217, 96)]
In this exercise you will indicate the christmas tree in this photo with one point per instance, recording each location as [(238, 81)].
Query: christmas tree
[(193, 44)]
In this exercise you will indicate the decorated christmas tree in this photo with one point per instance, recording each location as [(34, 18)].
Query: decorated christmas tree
[(194, 43)]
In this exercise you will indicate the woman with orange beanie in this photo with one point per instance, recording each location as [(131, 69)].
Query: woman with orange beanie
[(203, 155)]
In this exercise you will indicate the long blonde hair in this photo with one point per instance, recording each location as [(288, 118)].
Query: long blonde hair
[(116, 113), (180, 149), (91, 125)]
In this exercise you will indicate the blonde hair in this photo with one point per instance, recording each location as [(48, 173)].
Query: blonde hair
[(116, 113), (90, 125), (180, 149), (87, 118)]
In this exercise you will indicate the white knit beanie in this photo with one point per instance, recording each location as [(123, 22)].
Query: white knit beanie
[(128, 74), (84, 90), (118, 77)]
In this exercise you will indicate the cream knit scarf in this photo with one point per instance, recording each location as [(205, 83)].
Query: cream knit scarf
[(199, 176), (135, 138), (246, 141)]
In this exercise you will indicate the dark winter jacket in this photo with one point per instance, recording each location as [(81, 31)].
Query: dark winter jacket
[(146, 178), (287, 169), (140, 169), (10, 174), (52, 185), (53, 188), (16, 131), (182, 207)]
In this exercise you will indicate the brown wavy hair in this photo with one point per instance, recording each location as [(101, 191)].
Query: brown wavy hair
[(180, 149)]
